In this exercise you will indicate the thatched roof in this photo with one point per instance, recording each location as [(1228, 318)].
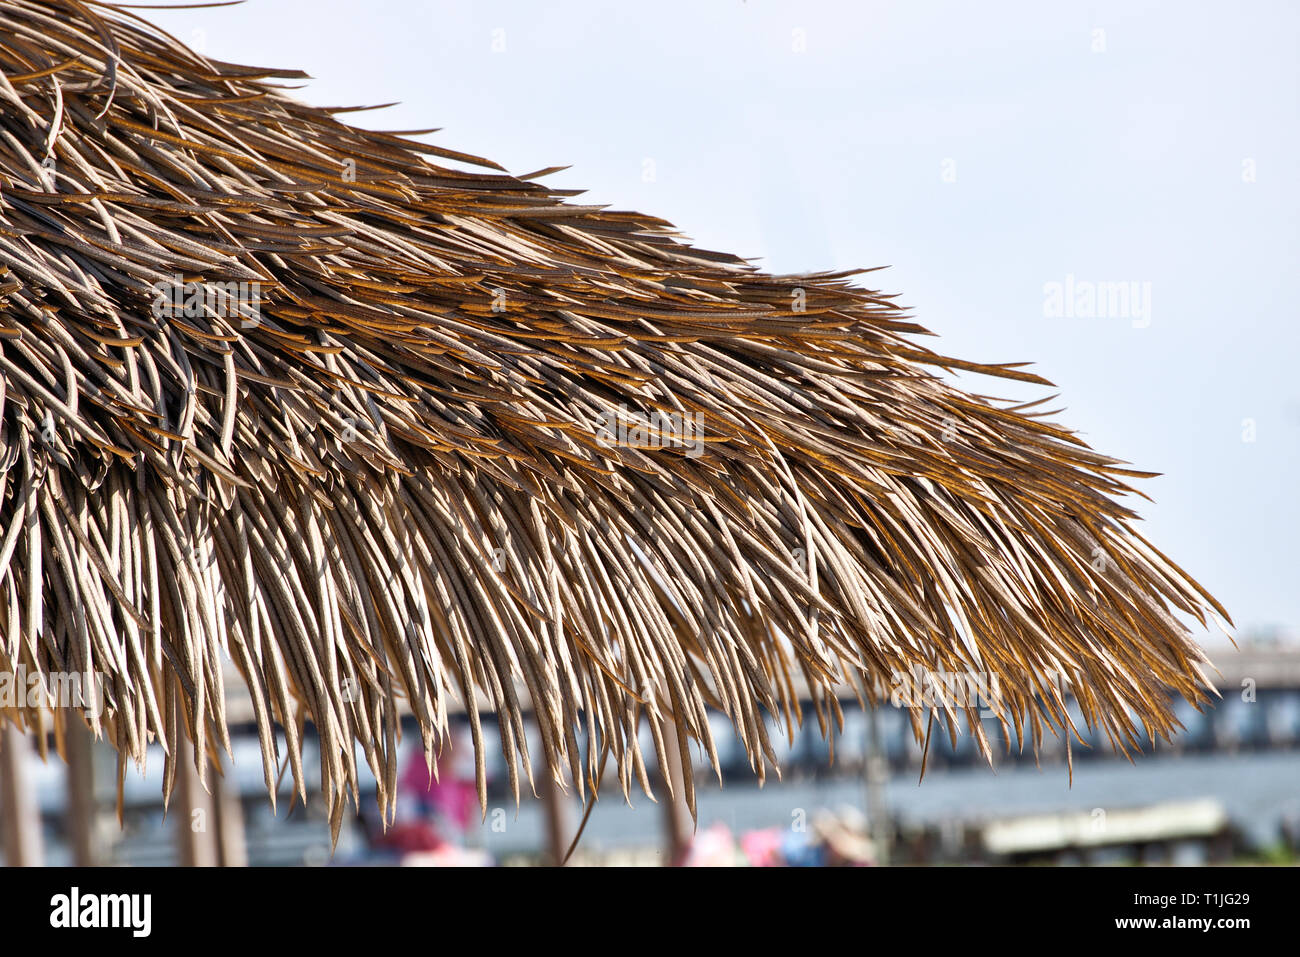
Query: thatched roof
[(378, 471)]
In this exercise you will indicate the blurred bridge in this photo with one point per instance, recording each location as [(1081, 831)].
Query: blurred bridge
[(1258, 711), (1259, 708)]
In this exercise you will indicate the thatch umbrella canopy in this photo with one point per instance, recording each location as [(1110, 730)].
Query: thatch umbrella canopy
[(458, 437)]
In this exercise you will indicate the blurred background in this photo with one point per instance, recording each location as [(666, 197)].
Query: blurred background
[(1226, 791), (999, 158)]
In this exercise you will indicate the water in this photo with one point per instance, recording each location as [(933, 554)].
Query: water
[(1257, 791)]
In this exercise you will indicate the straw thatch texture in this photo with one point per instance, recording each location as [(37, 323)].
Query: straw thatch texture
[(386, 475)]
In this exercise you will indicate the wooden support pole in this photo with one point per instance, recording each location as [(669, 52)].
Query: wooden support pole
[(555, 809), (676, 812), (232, 845), (80, 812), (877, 775), (196, 842), (20, 816)]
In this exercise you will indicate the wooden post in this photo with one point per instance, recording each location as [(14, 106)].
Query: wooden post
[(677, 814), (81, 811), (555, 809), (196, 842), (877, 773), (875, 767), (232, 846), (20, 816)]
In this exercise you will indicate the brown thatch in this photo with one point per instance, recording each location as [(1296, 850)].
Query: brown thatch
[(386, 477)]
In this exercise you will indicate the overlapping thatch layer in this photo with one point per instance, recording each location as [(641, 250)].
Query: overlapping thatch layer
[(407, 457)]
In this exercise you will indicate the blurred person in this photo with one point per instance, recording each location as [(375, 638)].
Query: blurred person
[(445, 799)]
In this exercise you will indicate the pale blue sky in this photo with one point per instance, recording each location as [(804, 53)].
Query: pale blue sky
[(1122, 164)]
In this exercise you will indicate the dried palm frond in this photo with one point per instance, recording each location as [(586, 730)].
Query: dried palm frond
[(458, 438)]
